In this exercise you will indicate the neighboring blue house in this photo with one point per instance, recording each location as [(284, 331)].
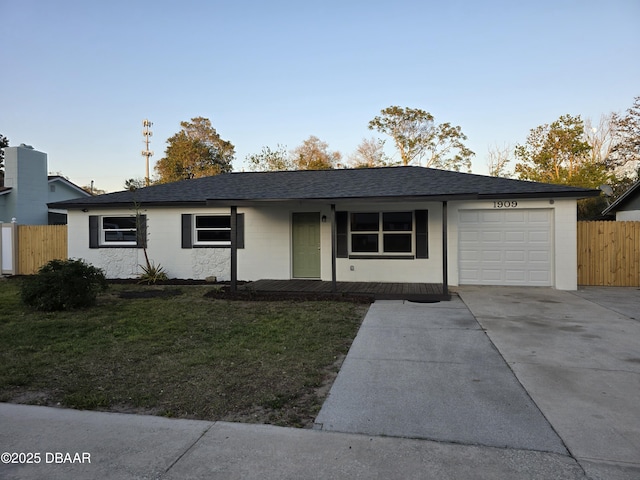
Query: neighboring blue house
[(28, 189)]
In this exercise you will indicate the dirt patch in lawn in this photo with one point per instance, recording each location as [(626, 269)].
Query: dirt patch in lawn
[(151, 293)]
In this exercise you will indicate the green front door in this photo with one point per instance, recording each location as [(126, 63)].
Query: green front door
[(306, 245)]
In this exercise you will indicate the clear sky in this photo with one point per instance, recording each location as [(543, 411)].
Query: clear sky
[(78, 77)]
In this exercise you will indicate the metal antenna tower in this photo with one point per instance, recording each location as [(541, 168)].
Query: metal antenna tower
[(147, 133)]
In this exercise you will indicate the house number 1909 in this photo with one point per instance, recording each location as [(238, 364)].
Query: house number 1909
[(505, 204)]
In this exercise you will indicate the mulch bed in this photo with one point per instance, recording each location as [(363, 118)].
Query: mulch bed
[(248, 295), (223, 292), (172, 281)]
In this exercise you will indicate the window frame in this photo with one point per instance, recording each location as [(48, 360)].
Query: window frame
[(188, 232), (210, 243), (103, 242), (381, 234)]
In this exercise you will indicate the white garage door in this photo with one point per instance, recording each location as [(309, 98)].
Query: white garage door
[(505, 247)]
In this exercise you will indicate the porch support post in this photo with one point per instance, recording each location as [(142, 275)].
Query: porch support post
[(234, 248), (334, 285), (445, 269)]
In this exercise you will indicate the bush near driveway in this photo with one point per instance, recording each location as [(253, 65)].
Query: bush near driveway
[(176, 353)]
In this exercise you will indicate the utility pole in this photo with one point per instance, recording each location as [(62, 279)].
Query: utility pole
[(147, 133)]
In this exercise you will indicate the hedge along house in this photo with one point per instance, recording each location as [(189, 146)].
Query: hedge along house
[(393, 224)]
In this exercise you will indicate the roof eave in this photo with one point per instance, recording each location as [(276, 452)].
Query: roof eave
[(71, 205), (622, 199), (538, 195), (129, 205)]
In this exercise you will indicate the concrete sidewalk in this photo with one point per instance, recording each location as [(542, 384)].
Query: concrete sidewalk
[(578, 355), (123, 447)]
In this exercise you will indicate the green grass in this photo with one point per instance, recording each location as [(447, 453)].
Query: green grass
[(180, 356)]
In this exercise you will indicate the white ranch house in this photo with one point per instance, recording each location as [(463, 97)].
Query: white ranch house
[(394, 224)]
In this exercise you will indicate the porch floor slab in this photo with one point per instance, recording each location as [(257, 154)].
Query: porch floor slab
[(420, 292)]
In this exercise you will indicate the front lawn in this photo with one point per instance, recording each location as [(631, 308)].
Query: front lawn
[(172, 351)]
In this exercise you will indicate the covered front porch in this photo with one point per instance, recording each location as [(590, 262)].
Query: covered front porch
[(417, 292), (323, 236)]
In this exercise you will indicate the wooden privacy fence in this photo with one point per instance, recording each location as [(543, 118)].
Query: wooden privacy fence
[(25, 248), (609, 254)]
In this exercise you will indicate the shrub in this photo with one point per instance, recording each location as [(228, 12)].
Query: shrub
[(63, 285)]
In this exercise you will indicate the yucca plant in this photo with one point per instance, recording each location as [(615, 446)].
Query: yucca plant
[(152, 273)]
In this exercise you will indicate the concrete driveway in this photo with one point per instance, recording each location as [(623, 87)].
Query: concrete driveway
[(429, 371), (518, 368), (577, 354)]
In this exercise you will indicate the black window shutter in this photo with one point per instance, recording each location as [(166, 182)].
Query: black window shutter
[(422, 230), (342, 234), (94, 231), (141, 231), (240, 230), (186, 231)]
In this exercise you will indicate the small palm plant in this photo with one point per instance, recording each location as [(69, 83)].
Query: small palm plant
[(152, 273)]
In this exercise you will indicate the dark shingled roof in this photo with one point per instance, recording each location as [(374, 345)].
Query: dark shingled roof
[(388, 183), (623, 199)]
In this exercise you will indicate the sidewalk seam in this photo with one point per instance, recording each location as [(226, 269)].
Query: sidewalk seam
[(187, 450)]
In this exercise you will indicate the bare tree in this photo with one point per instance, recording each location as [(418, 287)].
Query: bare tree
[(370, 153), (497, 160), (600, 138)]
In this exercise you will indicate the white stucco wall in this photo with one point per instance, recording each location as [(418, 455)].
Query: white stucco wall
[(267, 239), (163, 247)]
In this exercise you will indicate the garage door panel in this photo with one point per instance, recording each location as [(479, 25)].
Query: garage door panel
[(469, 236), (515, 216), (472, 274), (516, 276), (515, 256), (470, 256), (539, 237), (491, 237), (506, 247), (539, 256), (515, 237), (490, 216), (539, 277), (538, 217), (489, 275), (469, 216), (492, 256)]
